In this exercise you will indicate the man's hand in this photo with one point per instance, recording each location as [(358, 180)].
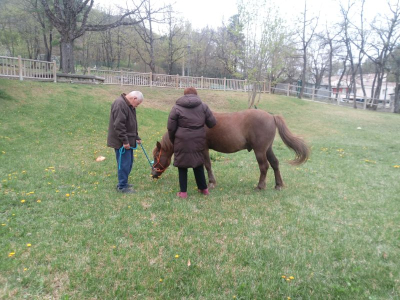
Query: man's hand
[(127, 146), (139, 141)]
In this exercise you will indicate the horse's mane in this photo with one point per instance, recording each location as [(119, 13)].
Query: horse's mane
[(166, 144)]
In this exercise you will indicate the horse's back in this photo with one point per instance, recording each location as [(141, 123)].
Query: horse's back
[(240, 130)]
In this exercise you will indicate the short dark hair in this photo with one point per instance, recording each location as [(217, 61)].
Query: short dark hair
[(190, 90)]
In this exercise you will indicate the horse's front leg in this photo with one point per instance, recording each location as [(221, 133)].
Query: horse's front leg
[(263, 165), (207, 164)]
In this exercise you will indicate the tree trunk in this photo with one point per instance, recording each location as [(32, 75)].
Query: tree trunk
[(378, 88), (303, 74), (67, 51), (397, 98), (48, 45), (330, 65), (340, 79)]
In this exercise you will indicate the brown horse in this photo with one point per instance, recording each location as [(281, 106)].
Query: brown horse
[(251, 129)]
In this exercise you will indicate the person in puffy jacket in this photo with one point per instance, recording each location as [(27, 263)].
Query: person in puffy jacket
[(187, 133)]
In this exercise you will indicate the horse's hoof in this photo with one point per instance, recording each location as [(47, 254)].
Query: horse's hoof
[(257, 188), (211, 185), (278, 187)]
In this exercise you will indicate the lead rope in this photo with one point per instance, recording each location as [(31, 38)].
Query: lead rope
[(144, 151), (122, 151)]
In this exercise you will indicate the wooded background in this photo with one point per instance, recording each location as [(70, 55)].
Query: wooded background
[(256, 44)]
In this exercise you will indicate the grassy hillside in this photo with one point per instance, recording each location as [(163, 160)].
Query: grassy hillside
[(332, 233)]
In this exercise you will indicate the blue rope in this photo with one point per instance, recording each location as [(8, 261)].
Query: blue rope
[(150, 163), (122, 151)]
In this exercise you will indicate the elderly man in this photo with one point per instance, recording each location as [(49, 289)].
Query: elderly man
[(123, 135)]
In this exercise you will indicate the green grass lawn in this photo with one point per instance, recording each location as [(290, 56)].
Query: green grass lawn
[(332, 233)]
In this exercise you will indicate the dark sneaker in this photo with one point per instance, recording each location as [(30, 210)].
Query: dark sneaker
[(126, 190), (128, 185)]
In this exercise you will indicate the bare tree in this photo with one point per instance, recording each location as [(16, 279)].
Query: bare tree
[(70, 18), (265, 34), (331, 39), (306, 35), (395, 67), (200, 57), (175, 41), (319, 60), (388, 33), (341, 77), (347, 39), (145, 31), (37, 10), (229, 41)]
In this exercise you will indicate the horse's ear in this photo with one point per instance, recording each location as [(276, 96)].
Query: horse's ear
[(158, 145)]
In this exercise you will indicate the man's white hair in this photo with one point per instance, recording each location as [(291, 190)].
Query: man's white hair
[(137, 94)]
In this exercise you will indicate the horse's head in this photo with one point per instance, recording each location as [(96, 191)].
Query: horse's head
[(162, 160)]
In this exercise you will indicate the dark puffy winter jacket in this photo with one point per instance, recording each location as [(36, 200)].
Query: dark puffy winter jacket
[(186, 130)]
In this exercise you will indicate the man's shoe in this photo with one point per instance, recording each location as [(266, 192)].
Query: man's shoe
[(126, 190), (128, 185)]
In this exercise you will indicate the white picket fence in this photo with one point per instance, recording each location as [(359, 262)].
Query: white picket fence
[(171, 81), (17, 67)]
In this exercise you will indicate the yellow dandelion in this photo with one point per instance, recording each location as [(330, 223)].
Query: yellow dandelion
[(22, 201), (161, 280), (38, 201), (283, 276), (11, 254), (291, 277), (28, 245), (288, 298), (114, 246), (25, 269), (177, 256), (396, 166), (287, 279), (67, 195), (3, 224)]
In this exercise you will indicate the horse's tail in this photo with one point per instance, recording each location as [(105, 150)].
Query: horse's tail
[(293, 142)]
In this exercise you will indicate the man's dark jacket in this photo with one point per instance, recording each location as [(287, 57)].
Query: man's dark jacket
[(186, 130), (123, 128)]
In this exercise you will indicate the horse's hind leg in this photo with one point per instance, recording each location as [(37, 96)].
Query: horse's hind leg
[(263, 165), (207, 163), (275, 166)]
